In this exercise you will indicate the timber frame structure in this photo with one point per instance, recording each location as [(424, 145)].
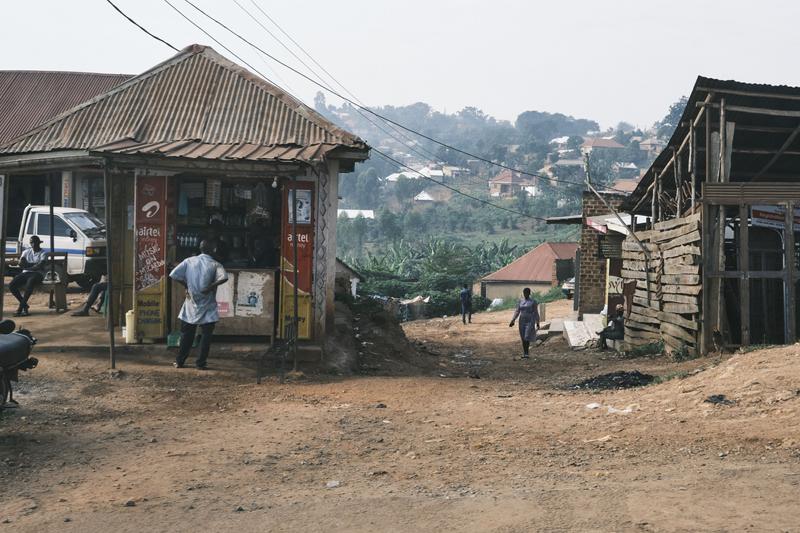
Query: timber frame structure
[(725, 194)]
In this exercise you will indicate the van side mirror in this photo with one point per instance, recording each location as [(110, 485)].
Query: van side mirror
[(74, 235)]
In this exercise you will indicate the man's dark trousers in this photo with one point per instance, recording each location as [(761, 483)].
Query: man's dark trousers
[(466, 312), (28, 280), (187, 339)]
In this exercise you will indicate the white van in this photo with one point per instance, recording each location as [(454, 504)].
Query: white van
[(78, 233)]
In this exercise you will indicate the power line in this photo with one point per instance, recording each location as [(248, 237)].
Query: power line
[(156, 37), (457, 191), (402, 165), (331, 76), (193, 23), (367, 109), (425, 154)]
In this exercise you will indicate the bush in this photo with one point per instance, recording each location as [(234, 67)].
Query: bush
[(448, 303)]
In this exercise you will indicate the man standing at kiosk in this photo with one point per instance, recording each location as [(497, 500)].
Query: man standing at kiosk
[(200, 275)]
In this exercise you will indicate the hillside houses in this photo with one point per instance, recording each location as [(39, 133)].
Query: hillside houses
[(508, 184)]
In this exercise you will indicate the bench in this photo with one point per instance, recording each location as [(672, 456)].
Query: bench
[(56, 283)]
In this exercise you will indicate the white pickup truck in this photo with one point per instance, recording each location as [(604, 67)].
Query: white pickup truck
[(78, 233)]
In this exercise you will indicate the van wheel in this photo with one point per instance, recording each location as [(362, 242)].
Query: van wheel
[(86, 282)]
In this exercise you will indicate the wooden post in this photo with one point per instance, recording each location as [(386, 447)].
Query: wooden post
[(659, 185), (112, 350), (678, 183), (723, 141), (744, 267), (705, 245), (789, 286), (707, 176), (693, 162), (3, 210), (653, 202)]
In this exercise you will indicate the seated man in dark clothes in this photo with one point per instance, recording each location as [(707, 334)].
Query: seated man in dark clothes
[(31, 262), (615, 329), (98, 291)]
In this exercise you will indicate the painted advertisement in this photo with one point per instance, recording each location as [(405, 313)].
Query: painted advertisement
[(150, 233), (250, 293), (303, 205), (773, 216)]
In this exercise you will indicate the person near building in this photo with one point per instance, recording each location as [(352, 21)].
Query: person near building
[(32, 263), (615, 329), (466, 304), (528, 313), (200, 275), (97, 294)]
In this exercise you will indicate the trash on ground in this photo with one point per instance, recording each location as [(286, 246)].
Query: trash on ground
[(719, 399), (616, 380)]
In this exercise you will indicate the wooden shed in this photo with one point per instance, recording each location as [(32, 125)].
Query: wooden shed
[(718, 265)]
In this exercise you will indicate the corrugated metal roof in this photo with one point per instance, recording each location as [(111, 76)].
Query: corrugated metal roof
[(536, 265), (194, 105), (29, 98), (735, 93)]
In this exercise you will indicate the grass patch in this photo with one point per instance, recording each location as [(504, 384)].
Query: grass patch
[(678, 374), (552, 295), (653, 348)]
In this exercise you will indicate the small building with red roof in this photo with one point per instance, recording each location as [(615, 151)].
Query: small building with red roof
[(541, 269)]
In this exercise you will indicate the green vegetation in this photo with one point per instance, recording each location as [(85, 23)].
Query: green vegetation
[(431, 248)]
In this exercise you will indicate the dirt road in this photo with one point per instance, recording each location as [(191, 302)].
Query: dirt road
[(158, 449)]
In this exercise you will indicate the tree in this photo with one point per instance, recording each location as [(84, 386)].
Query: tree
[(574, 142), (667, 125), (389, 225), (405, 189)]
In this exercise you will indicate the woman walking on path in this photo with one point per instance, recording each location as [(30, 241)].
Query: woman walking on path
[(528, 313)]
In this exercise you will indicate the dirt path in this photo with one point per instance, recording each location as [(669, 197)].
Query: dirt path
[(511, 451)]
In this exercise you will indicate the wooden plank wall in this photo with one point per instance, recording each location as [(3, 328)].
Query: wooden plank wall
[(666, 304)]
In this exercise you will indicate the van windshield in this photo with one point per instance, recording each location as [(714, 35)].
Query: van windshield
[(87, 223)]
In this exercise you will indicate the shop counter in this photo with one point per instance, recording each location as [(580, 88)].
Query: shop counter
[(246, 302)]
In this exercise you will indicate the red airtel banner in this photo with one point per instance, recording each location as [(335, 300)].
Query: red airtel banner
[(150, 232), (297, 202)]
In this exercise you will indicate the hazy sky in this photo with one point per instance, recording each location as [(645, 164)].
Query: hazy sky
[(608, 61)]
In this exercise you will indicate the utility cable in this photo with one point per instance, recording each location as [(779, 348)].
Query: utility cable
[(237, 56), (457, 191), (367, 109), (156, 37)]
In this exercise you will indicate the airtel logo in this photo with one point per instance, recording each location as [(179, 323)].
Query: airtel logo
[(150, 209)]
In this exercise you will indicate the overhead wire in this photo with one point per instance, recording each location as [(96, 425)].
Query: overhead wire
[(234, 54), (421, 152), (156, 37), (381, 153), (458, 191), (367, 109)]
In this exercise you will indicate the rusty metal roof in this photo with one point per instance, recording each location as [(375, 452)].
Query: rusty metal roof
[(780, 97), (536, 265), (195, 105), (28, 98)]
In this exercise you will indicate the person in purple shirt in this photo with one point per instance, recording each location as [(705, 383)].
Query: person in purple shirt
[(528, 313)]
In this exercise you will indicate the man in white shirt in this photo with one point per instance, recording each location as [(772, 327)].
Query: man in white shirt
[(31, 261), (200, 275)]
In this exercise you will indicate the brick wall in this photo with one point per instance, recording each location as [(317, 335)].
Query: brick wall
[(593, 267)]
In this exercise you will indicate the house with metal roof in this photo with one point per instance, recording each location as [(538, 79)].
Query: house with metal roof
[(29, 98), (546, 266), (198, 147)]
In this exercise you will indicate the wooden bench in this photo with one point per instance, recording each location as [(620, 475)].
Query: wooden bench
[(56, 282)]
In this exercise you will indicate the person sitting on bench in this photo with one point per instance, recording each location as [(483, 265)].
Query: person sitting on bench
[(98, 292), (615, 330), (31, 261)]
